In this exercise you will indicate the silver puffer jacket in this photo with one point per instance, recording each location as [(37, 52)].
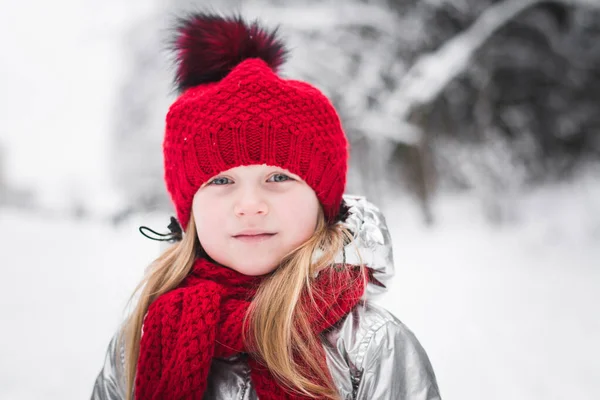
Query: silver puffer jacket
[(372, 355)]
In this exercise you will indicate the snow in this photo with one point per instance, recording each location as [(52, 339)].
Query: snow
[(58, 72), (504, 312)]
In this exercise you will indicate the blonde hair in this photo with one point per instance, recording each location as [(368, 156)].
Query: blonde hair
[(280, 333)]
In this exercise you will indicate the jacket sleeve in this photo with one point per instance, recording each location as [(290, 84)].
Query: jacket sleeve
[(396, 367), (110, 382)]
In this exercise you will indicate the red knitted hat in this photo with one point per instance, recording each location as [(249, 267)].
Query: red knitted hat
[(234, 110)]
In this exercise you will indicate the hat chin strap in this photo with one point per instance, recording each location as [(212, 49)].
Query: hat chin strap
[(175, 236)]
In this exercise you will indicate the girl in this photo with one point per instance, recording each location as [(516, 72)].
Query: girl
[(263, 295)]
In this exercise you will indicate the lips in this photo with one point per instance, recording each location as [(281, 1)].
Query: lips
[(253, 232), (254, 237)]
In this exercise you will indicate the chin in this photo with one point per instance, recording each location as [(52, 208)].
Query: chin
[(254, 269)]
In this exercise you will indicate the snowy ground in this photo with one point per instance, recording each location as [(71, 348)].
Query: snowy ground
[(504, 313)]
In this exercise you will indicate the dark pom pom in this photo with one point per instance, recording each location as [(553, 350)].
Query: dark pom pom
[(208, 46)]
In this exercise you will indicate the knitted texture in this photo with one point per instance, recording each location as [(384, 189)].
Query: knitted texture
[(252, 116), (185, 328)]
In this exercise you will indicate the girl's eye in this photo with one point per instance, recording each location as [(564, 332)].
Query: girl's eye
[(279, 178), (219, 181)]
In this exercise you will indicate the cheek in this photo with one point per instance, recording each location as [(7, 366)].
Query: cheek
[(299, 214), (209, 221)]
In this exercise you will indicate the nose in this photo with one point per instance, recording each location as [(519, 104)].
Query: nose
[(250, 203)]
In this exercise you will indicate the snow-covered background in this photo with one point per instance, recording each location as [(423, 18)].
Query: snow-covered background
[(505, 310)]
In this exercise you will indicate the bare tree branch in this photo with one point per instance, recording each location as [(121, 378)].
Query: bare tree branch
[(432, 72)]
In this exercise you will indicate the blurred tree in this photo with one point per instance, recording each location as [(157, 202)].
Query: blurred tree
[(539, 83), (512, 51)]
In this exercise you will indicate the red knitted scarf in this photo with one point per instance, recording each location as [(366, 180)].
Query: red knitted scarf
[(187, 327)]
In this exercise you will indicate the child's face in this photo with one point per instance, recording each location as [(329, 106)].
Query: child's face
[(254, 199)]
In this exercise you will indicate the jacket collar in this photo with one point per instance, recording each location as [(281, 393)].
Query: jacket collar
[(372, 243)]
